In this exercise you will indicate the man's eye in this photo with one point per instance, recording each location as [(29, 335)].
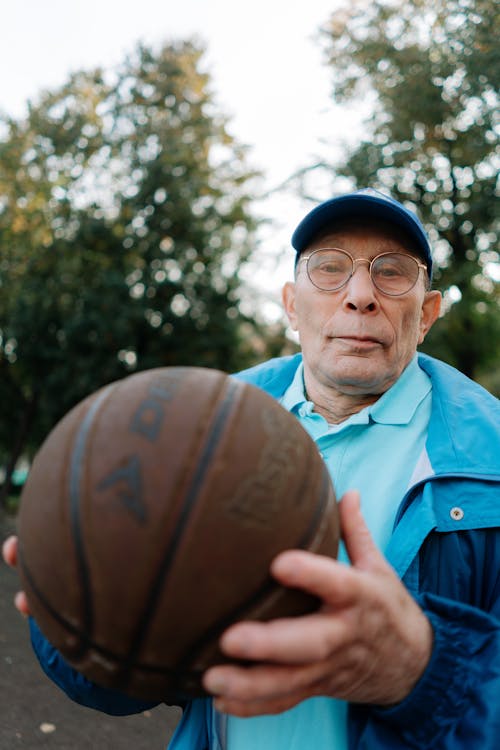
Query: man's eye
[(389, 271), (331, 267)]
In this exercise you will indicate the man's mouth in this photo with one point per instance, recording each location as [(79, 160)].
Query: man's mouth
[(357, 342)]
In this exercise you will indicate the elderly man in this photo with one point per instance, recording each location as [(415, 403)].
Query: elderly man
[(405, 649)]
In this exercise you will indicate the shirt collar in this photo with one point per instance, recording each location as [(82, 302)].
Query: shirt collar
[(400, 402), (294, 396), (395, 406)]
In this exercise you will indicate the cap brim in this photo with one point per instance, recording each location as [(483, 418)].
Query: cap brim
[(359, 206)]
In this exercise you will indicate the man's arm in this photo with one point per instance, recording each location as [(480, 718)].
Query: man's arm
[(455, 704), (369, 644), (76, 686)]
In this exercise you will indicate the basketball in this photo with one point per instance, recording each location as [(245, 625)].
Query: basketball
[(149, 520)]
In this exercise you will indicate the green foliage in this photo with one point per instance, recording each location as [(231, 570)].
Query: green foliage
[(124, 218), (432, 70)]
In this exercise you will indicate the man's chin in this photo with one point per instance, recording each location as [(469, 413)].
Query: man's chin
[(360, 379)]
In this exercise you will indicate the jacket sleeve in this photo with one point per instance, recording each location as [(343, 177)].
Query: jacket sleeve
[(76, 686), (456, 703)]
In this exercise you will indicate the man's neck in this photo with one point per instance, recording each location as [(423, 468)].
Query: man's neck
[(336, 406)]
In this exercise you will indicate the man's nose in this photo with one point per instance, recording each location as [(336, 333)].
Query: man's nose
[(360, 292)]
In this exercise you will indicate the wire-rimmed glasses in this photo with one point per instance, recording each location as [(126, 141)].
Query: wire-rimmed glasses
[(330, 268)]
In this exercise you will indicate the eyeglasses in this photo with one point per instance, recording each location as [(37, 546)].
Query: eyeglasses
[(329, 269)]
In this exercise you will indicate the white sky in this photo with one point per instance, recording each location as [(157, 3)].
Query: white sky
[(263, 57)]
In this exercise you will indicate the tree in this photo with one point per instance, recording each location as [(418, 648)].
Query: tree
[(37, 163), (124, 217), (432, 72)]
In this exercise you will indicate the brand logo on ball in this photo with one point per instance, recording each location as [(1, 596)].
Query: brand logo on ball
[(258, 497), (148, 418), (128, 483), (146, 421)]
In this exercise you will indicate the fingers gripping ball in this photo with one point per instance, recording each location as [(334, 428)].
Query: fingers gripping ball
[(149, 520)]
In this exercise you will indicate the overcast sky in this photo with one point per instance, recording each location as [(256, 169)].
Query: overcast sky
[(264, 58)]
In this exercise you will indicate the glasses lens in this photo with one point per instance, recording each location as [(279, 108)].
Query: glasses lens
[(329, 269), (394, 273)]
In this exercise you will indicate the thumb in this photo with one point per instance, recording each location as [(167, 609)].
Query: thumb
[(362, 550)]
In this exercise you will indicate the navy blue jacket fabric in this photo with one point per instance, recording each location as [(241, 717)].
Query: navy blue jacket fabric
[(446, 548)]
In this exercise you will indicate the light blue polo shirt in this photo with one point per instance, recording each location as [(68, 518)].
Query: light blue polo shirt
[(374, 451)]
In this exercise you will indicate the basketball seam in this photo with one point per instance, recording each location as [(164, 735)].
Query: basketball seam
[(75, 493), (182, 671), (207, 443), (210, 443), (267, 587)]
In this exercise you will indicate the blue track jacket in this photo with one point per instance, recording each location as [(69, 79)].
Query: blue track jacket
[(446, 548)]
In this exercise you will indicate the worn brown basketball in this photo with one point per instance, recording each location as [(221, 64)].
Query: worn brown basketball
[(149, 520)]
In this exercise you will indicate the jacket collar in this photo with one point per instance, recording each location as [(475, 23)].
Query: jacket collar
[(455, 444)]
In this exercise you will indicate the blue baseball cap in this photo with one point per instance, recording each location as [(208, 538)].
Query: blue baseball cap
[(363, 203)]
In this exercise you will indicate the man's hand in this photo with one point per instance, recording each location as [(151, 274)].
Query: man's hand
[(369, 642), (9, 552)]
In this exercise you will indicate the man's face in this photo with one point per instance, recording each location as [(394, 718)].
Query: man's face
[(357, 340)]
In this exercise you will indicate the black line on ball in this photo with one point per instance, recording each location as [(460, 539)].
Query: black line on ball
[(84, 645), (182, 674), (268, 587), (77, 463), (211, 442), (326, 495)]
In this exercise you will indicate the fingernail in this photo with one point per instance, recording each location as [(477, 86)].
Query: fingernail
[(234, 642), (286, 564), (214, 683), (20, 604)]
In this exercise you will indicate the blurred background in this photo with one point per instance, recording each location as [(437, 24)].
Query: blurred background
[(155, 158)]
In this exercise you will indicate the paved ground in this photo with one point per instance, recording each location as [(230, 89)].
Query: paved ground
[(36, 714)]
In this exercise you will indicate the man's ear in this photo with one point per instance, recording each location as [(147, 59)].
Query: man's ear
[(288, 297), (431, 308)]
